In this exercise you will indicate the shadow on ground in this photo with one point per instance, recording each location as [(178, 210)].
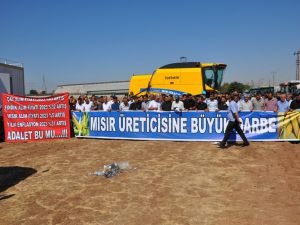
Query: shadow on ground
[(10, 176)]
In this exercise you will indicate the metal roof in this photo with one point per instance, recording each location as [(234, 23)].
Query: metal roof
[(104, 82)]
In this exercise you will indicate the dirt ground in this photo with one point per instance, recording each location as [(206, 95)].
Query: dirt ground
[(173, 183)]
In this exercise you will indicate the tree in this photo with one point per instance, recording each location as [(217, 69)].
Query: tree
[(247, 87), (33, 92), (224, 88), (234, 86)]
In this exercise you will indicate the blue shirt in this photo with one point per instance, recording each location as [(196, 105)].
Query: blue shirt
[(283, 106), (115, 106), (232, 109)]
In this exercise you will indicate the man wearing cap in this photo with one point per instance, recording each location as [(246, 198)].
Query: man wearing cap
[(233, 122)]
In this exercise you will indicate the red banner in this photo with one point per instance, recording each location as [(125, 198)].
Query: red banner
[(33, 119)]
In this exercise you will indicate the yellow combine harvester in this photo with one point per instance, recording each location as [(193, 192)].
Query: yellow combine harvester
[(179, 78)]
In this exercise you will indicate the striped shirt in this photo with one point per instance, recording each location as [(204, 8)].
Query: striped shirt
[(271, 105)]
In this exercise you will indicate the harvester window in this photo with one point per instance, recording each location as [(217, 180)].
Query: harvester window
[(214, 76), (209, 77)]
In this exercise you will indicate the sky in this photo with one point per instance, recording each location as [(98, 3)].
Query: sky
[(72, 41)]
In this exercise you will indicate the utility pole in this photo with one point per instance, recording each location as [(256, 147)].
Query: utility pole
[(44, 84), (297, 54), (273, 77)]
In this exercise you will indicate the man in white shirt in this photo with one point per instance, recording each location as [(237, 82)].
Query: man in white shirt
[(106, 105), (124, 106), (177, 105), (212, 103), (154, 104), (145, 103), (87, 105), (111, 101), (158, 101), (245, 105), (79, 105), (131, 100)]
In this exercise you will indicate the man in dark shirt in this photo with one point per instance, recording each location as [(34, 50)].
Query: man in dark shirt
[(295, 104), (137, 105), (95, 103), (201, 105), (72, 103), (167, 104), (222, 104), (189, 103), (100, 103)]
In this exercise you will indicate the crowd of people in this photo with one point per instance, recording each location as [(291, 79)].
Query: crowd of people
[(281, 102)]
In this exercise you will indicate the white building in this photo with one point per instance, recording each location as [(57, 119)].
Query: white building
[(99, 88), (12, 77)]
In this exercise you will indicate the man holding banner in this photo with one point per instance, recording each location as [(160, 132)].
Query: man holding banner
[(234, 122)]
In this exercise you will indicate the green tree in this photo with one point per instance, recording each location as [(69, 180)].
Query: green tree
[(224, 88), (33, 92), (234, 86), (247, 87)]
